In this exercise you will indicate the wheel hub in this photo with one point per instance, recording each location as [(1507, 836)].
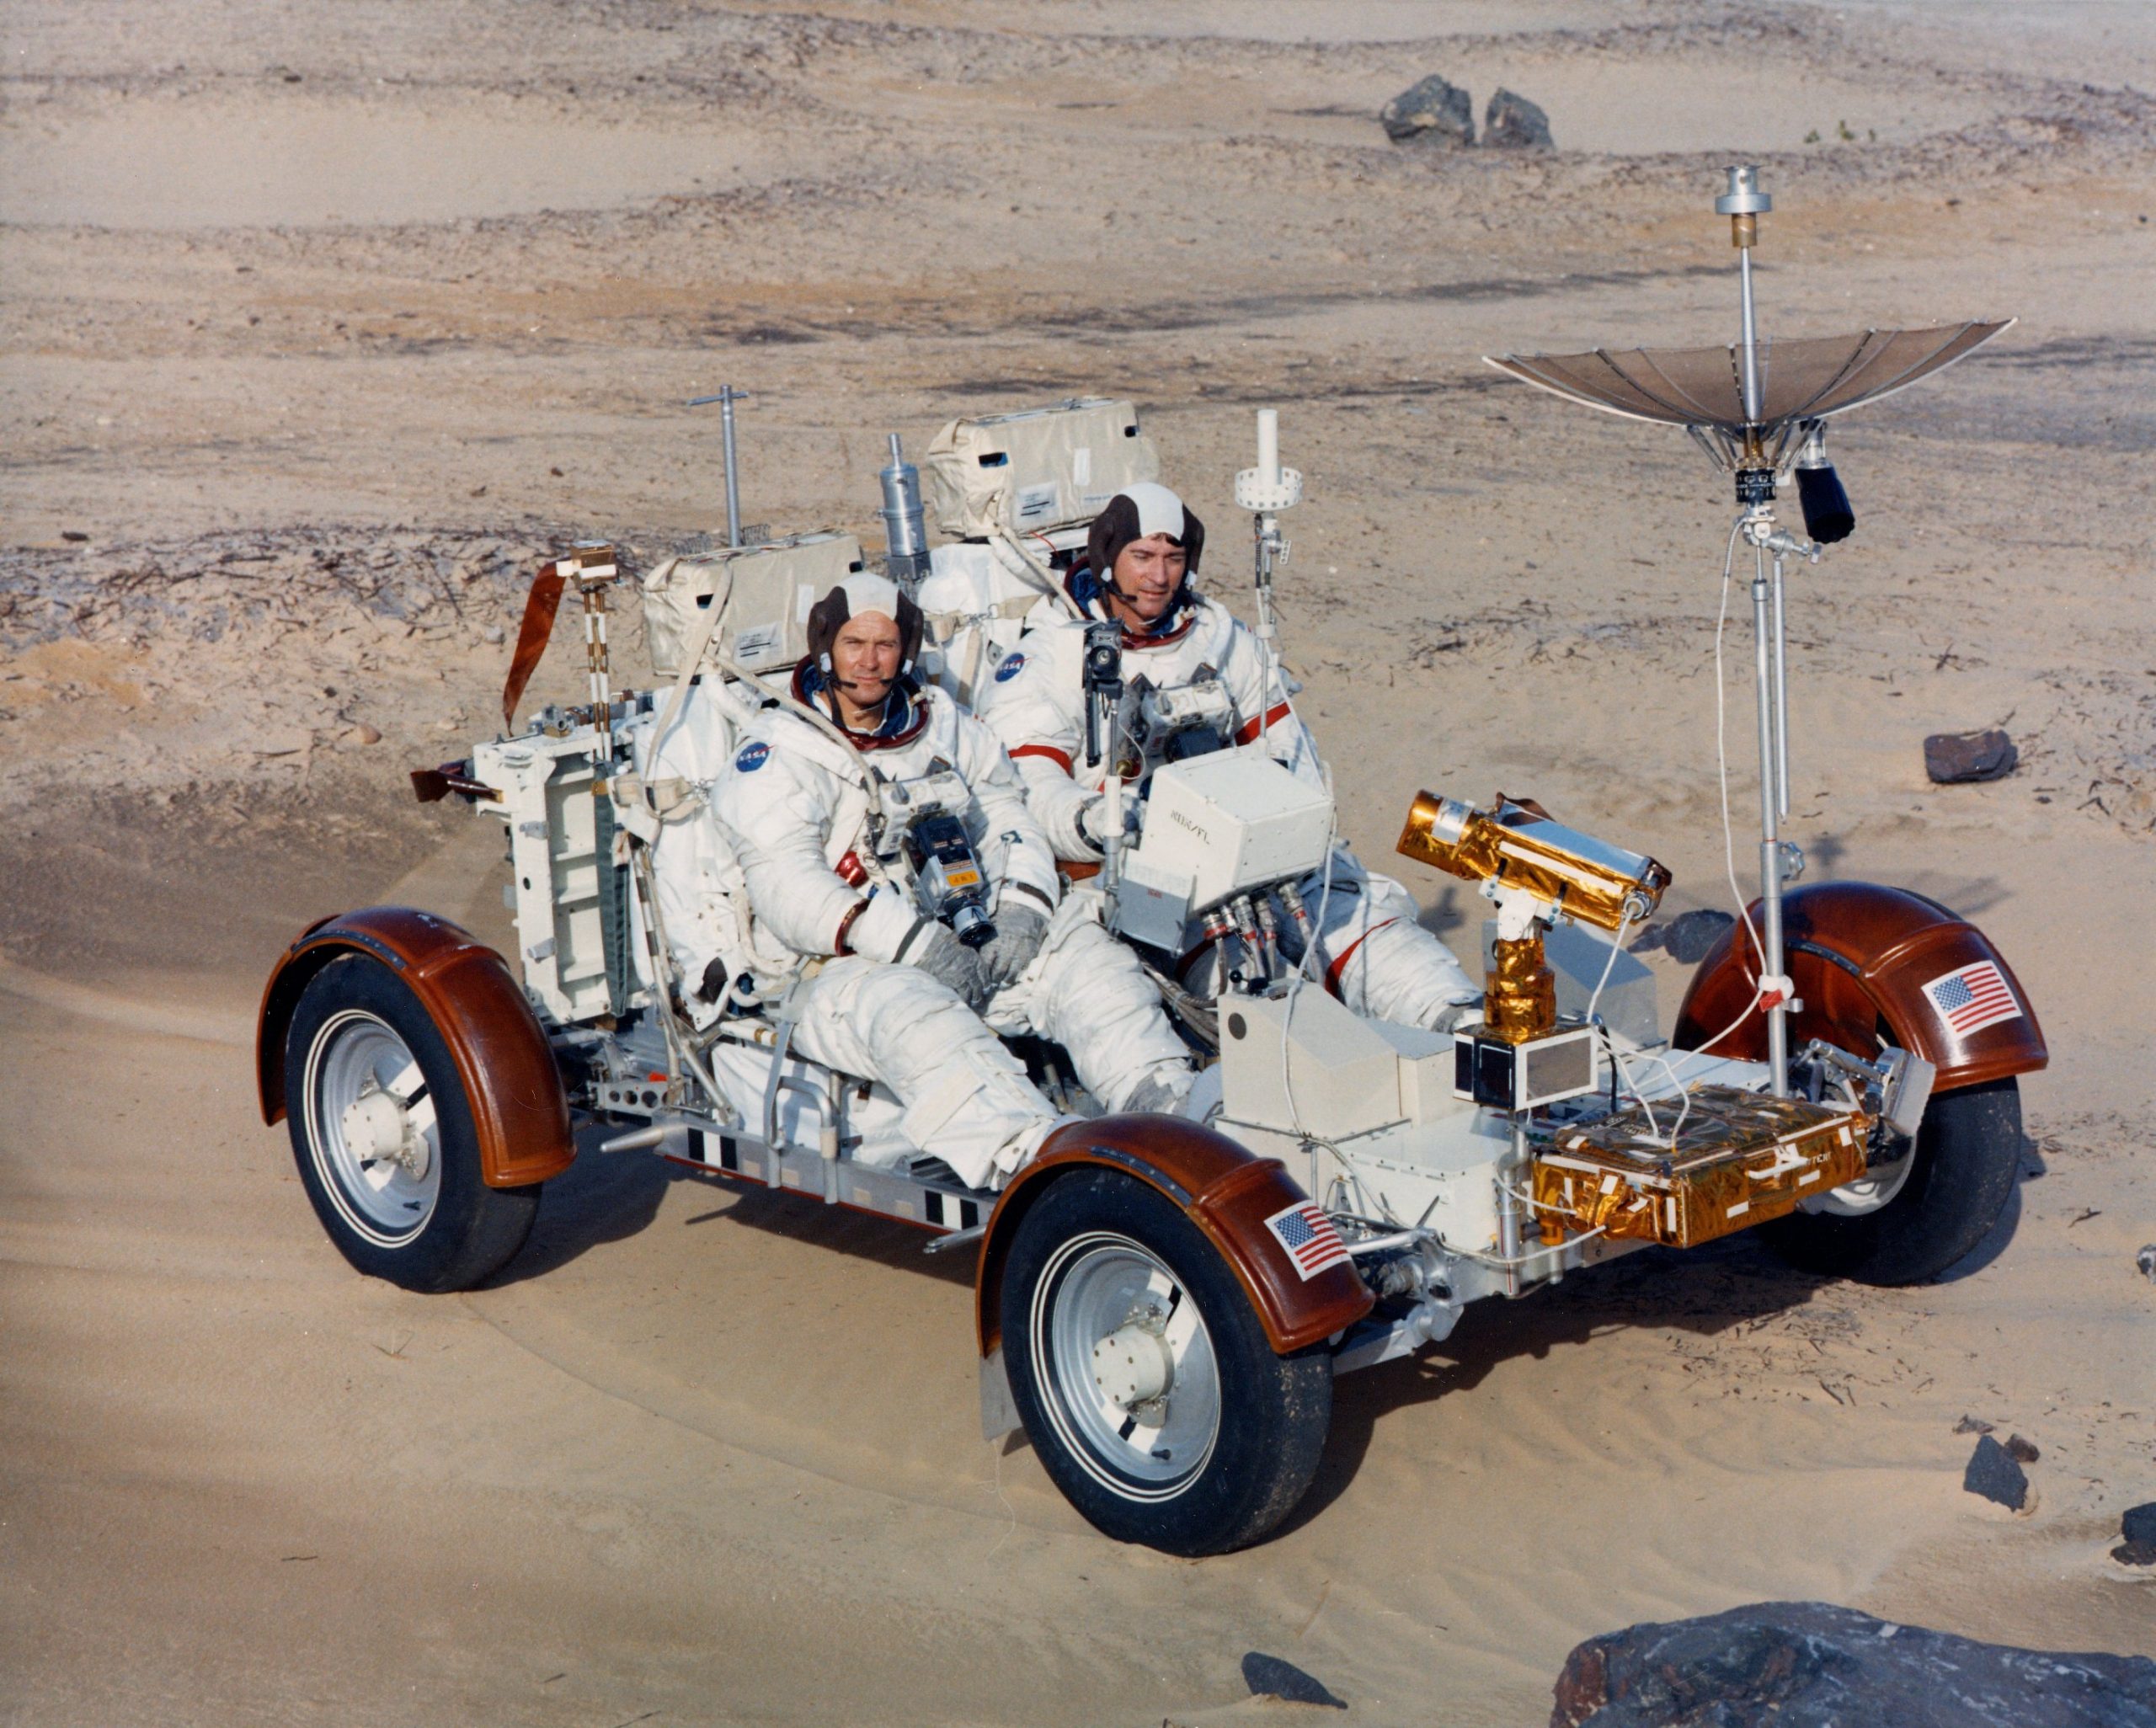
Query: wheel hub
[(1134, 1365), (379, 1129)]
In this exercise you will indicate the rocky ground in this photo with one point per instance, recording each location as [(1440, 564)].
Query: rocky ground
[(324, 323)]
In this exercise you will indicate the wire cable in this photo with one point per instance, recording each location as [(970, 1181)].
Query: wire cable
[(1721, 753), (1616, 946)]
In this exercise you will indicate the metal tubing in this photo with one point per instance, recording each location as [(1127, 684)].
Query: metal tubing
[(957, 1238), (1781, 697), (779, 1044), (734, 472), (1770, 845), (1509, 1219), (1750, 339), (1396, 1239), (637, 1139)]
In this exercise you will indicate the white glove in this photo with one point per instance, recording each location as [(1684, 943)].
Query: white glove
[(1093, 819), (1019, 933)]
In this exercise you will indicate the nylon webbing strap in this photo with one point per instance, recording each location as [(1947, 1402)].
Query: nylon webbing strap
[(540, 606)]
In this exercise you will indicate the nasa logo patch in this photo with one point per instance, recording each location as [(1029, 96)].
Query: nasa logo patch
[(752, 757), (1012, 666)]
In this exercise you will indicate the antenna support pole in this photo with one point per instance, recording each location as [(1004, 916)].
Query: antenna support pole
[(1265, 490), (1744, 203), (726, 397)]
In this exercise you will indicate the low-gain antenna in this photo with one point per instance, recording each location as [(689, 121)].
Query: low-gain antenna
[(1758, 407), (726, 397), (1265, 490)]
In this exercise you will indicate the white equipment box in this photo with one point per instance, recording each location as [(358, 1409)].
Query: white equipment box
[(765, 590), (1041, 468), (1215, 827)]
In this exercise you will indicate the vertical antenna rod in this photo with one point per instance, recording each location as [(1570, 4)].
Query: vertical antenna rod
[(726, 397), (1744, 203), (1265, 491)]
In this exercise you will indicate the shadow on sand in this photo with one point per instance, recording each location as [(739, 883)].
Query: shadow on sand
[(1706, 1291)]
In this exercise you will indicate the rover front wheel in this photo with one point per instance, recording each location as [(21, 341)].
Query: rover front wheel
[(383, 1136), (1911, 1219), (1143, 1377)]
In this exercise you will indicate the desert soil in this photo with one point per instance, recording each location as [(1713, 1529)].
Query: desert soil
[(324, 323)]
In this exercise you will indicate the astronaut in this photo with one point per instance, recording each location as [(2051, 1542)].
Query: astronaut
[(1141, 554), (824, 826)]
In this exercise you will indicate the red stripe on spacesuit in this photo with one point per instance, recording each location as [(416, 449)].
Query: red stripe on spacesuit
[(1251, 728), (1050, 751), (1332, 972)]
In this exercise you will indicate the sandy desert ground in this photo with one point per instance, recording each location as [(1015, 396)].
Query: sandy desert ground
[(322, 322)]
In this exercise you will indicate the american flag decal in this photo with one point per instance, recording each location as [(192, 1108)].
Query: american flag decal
[(1309, 1239), (1973, 998)]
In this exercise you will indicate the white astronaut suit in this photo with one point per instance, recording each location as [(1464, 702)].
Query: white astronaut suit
[(1376, 957), (843, 925)]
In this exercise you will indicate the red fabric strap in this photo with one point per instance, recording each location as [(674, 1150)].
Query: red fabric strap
[(1251, 728), (1050, 751), (1332, 972)]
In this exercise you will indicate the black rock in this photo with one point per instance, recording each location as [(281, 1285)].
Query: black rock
[(1431, 112), (2139, 1522), (1268, 1675), (2145, 1261), (2021, 1451), (1512, 122), (2135, 1553), (1950, 758), (1972, 1425), (1811, 1665), (1688, 937), (1993, 1474)]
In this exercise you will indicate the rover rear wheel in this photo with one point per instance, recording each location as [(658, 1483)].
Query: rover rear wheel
[(382, 1134), (1144, 1376), (1911, 1220)]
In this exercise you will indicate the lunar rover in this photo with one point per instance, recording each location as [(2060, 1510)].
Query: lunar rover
[(1163, 1304)]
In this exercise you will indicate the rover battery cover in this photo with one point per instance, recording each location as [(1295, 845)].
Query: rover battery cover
[(1738, 1158)]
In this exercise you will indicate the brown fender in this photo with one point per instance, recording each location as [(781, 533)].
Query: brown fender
[(1858, 954), (501, 1054), (1227, 1192)]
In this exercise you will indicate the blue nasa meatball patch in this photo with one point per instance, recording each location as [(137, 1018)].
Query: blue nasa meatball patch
[(1012, 666), (752, 757)]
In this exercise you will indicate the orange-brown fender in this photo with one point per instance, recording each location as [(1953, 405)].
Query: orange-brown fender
[(501, 1053), (1858, 954), (1227, 1192)]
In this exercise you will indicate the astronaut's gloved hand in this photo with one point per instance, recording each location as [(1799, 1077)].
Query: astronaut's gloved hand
[(944, 957), (1452, 1013), (1093, 819), (1019, 933), (890, 928)]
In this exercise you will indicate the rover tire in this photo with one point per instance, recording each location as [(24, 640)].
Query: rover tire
[(1143, 1377), (382, 1132), (1911, 1222)]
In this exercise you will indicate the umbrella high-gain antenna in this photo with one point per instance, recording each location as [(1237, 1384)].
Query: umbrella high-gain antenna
[(1758, 407)]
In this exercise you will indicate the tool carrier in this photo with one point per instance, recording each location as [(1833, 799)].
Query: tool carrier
[(1163, 1303)]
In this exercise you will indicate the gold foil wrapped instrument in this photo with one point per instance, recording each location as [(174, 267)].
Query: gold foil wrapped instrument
[(1739, 1158), (1582, 877)]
